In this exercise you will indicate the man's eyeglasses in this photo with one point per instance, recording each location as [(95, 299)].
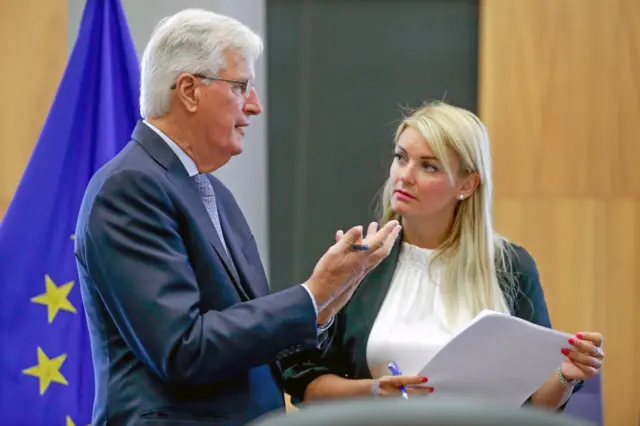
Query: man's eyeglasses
[(244, 86)]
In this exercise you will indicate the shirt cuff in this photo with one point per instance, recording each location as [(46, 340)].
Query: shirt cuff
[(315, 307)]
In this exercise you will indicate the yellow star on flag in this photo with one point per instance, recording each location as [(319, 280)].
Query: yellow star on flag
[(55, 298), (47, 370), (71, 423)]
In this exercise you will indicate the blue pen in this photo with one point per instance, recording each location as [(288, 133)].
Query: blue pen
[(393, 367)]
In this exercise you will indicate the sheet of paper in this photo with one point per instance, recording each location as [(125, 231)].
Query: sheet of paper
[(497, 356)]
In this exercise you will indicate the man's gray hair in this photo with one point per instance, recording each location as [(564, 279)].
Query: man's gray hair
[(192, 41)]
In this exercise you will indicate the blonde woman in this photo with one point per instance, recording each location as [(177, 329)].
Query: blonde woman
[(446, 267)]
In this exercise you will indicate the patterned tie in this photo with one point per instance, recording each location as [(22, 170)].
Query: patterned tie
[(209, 199)]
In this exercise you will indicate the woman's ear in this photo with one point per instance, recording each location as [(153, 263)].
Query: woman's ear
[(469, 184)]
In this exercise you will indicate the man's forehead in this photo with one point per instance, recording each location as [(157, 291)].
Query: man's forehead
[(247, 70), (240, 67)]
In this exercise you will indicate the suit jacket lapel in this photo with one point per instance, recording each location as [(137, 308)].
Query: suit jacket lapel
[(189, 191), (248, 278), (365, 305), (234, 244), (176, 172)]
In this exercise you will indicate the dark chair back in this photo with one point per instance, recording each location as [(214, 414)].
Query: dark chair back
[(418, 411)]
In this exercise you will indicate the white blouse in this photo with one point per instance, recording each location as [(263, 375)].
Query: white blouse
[(411, 319)]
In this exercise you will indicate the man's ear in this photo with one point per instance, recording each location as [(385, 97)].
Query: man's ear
[(188, 92)]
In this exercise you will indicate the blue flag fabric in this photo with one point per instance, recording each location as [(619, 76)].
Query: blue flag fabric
[(46, 374)]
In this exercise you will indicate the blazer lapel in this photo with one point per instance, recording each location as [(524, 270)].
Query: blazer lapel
[(363, 309), (187, 188), (162, 153), (252, 276), (234, 244)]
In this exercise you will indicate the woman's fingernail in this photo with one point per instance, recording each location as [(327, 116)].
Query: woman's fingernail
[(572, 340), (580, 336), (431, 390), (565, 351), (423, 379)]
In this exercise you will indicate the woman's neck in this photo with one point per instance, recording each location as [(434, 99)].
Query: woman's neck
[(427, 234)]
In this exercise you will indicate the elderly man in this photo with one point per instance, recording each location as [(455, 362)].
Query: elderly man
[(183, 328)]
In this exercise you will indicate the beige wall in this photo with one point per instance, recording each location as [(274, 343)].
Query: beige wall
[(560, 93), (33, 47)]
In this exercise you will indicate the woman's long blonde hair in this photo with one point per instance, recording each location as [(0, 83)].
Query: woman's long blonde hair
[(477, 260)]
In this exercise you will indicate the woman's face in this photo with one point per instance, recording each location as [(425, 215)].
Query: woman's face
[(420, 185)]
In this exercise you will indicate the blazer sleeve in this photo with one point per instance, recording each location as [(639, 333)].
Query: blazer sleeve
[(136, 256), (530, 302), (300, 369)]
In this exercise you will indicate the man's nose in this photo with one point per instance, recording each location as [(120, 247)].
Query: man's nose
[(252, 105)]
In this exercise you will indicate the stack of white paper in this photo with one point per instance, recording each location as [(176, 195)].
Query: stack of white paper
[(498, 357)]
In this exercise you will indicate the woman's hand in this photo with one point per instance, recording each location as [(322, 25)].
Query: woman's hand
[(584, 360), (390, 385)]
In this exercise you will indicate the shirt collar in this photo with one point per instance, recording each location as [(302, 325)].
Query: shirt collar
[(186, 161)]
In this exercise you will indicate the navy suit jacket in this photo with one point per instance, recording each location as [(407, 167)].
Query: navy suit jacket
[(178, 335)]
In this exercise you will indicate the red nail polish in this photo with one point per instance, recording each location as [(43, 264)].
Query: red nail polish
[(431, 389), (572, 340), (565, 351), (580, 336), (423, 379)]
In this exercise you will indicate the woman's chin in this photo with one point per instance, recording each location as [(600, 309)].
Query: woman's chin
[(400, 208)]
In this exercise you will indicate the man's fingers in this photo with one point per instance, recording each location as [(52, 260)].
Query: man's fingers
[(352, 236), (385, 249), (372, 229), (381, 237), (392, 239), (375, 239)]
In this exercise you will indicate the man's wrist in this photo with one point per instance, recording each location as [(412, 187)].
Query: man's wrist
[(313, 299), (324, 325)]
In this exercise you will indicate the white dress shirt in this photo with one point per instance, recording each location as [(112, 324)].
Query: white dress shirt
[(411, 319)]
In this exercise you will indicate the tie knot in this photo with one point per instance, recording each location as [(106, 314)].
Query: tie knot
[(204, 185)]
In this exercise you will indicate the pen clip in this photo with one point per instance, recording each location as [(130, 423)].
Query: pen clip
[(395, 370)]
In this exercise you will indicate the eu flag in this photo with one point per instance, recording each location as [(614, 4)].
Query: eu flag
[(46, 374)]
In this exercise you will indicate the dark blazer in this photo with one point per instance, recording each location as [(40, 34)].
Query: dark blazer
[(178, 335), (346, 354)]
